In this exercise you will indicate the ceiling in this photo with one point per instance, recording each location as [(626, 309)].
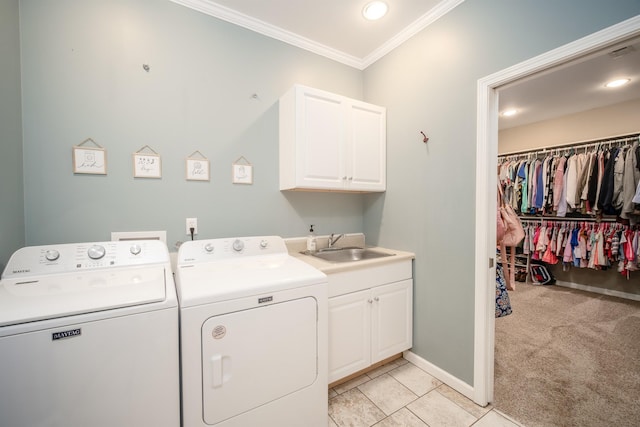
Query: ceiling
[(332, 28), (574, 87), (354, 41)]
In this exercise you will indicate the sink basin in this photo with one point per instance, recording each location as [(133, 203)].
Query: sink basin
[(347, 254)]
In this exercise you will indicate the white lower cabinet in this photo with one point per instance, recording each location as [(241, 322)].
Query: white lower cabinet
[(368, 326)]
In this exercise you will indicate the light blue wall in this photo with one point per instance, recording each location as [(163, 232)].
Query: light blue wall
[(83, 78), (429, 84), (11, 187)]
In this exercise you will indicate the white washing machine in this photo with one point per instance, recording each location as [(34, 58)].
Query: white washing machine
[(89, 337), (253, 328)]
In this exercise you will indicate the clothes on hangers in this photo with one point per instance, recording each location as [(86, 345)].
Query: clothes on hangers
[(596, 182), (581, 244), (636, 198), (630, 182)]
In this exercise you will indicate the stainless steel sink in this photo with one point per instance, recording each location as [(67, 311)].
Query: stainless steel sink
[(349, 254)]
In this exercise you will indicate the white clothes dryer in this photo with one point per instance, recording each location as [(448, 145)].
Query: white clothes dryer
[(253, 327), (89, 336)]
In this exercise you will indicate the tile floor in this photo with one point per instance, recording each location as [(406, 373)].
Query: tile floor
[(403, 395)]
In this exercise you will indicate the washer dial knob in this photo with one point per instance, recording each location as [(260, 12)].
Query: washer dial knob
[(135, 249), (209, 247), (238, 245), (264, 243), (52, 255), (96, 252)]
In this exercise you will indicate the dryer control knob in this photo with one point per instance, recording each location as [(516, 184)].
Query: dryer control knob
[(264, 243), (52, 255), (96, 252), (208, 247), (238, 245), (135, 249)]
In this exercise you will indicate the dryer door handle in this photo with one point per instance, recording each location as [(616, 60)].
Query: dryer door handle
[(216, 370)]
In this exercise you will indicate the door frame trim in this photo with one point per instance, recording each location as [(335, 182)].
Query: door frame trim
[(486, 186)]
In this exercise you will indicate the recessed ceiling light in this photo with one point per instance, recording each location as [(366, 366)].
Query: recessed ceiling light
[(510, 112), (617, 83), (374, 10)]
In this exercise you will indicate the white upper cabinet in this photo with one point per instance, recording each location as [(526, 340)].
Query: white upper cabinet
[(330, 142)]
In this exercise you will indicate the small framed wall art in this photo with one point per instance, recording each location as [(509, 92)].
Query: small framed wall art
[(242, 171), (147, 164), (197, 167), (89, 160)]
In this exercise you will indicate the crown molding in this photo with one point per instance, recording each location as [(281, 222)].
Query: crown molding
[(211, 8), (441, 9)]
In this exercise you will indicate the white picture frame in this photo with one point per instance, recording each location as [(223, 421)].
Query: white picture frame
[(197, 169), (242, 174), (89, 160), (147, 165)]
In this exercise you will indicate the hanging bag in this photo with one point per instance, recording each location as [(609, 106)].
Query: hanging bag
[(500, 227), (512, 236), (513, 231)]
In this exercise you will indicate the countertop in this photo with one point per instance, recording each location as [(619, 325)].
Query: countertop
[(297, 245)]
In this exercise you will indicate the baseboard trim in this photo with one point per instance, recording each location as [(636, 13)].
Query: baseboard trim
[(453, 382), (602, 291), (365, 370)]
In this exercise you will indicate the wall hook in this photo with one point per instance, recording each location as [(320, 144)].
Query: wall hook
[(146, 67), (425, 139)]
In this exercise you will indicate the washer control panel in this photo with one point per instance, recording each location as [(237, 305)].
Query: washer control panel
[(195, 251), (34, 260)]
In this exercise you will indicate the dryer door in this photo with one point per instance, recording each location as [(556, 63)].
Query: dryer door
[(255, 356)]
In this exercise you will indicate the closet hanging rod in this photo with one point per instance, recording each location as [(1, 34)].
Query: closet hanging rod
[(584, 144), (524, 218)]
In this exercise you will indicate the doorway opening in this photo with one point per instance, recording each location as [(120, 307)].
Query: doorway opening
[(486, 185)]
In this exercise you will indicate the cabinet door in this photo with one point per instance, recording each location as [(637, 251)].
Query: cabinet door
[(330, 142), (349, 334), (366, 167), (392, 325), (320, 140)]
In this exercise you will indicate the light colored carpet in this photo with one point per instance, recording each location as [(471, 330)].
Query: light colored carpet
[(568, 358)]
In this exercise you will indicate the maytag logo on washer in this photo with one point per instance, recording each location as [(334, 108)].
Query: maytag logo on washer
[(66, 334), (219, 332)]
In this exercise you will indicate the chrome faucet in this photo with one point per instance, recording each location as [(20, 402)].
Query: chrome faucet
[(333, 241)]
